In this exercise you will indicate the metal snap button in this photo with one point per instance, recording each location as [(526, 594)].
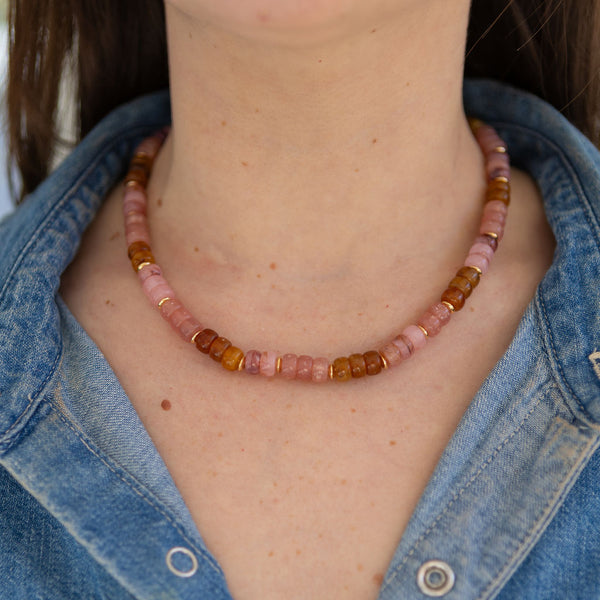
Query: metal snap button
[(187, 563), (435, 578)]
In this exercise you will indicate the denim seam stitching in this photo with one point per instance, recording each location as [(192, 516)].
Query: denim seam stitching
[(532, 534), (460, 492), (142, 493)]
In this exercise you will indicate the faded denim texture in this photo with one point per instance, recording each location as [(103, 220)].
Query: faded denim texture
[(88, 509)]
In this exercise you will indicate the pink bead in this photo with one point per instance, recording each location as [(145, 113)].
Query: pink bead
[(177, 317), (148, 270), (150, 146), (268, 363), (188, 328), (479, 261), (135, 218), (157, 289), (483, 249), (392, 354), (496, 161), (169, 307), (304, 369), (134, 200), (253, 362), (486, 239), (288, 366), (500, 172), (496, 206), (404, 345), (491, 215), (490, 226), (430, 323), (441, 311), (416, 336), (137, 233), (320, 370)]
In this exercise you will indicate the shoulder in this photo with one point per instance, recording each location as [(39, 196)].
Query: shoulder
[(40, 239)]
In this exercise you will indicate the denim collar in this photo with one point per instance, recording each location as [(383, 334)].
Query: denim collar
[(519, 449)]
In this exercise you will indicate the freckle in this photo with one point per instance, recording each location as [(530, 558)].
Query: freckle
[(373, 30), (271, 553), (392, 442), (258, 275), (165, 405), (108, 302), (114, 236), (286, 442), (320, 60), (372, 504), (273, 266), (243, 449), (190, 35), (343, 482), (261, 501), (196, 249), (374, 140), (320, 536), (220, 434), (273, 286), (159, 202), (263, 17), (223, 123), (378, 578), (359, 314), (244, 163), (301, 478), (257, 110), (390, 409), (352, 410), (471, 309), (359, 567), (274, 484), (298, 552), (387, 305)]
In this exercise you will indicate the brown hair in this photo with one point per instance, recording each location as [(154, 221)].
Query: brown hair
[(549, 47)]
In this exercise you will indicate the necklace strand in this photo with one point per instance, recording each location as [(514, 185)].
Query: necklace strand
[(291, 366)]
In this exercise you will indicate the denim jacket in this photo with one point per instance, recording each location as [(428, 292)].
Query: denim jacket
[(88, 509)]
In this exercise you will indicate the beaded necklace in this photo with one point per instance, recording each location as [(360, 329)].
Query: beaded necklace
[(306, 368)]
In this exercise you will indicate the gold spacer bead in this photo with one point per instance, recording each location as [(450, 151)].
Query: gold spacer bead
[(193, 340), (242, 364), (450, 306), (477, 269), (144, 264), (330, 371), (475, 124), (499, 149), (133, 183), (163, 301), (278, 365), (491, 234), (384, 362), (423, 330), (501, 179)]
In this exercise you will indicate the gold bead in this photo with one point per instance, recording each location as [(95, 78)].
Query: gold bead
[(193, 340), (475, 124), (477, 269), (499, 149), (278, 365), (501, 178), (330, 371), (242, 364), (160, 306), (384, 362), (448, 304), (423, 330), (144, 264), (491, 234)]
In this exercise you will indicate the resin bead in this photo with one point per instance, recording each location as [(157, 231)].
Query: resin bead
[(358, 367), (455, 297), (470, 274), (289, 364), (232, 358), (148, 270), (486, 239), (304, 368), (482, 249), (252, 366), (391, 353), (268, 363), (373, 362), (157, 289), (462, 284), (320, 370), (430, 323), (341, 369), (404, 345), (218, 347), (204, 340)]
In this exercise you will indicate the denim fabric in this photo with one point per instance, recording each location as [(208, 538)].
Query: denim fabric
[(88, 509)]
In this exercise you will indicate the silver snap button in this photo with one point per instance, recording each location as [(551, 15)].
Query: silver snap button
[(187, 563), (435, 578)]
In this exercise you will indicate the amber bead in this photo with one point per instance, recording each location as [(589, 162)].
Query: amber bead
[(218, 347), (498, 190), (137, 174), (140, 257), (470, 274), (455, 297), (358, 367), (462, 284), (373, 362), (232, 357), (341, 369), (136, 247), (141, 161), (204, 339)]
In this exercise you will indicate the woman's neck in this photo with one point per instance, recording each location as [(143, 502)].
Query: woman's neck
[(307, 142)]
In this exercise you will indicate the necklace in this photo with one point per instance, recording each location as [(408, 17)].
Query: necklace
[(291, 366)]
